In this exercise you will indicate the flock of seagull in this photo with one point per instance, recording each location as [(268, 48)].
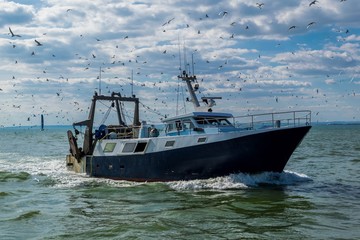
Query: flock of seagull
[(168, 22)]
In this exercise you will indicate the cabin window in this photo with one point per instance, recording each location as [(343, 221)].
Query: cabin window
[(169, 143), (187, 124), (213, 121), (200, 121), (170, 127), (178, 125), (201, 140), (109, 147), (140, 147), (224, 122), (129, 147)]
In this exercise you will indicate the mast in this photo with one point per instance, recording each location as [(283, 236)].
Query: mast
[(189, 79), (132, 82), (100, 82)]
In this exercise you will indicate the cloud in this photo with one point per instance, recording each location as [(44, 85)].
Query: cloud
[(330, 81), (247, 54), (12, 13)]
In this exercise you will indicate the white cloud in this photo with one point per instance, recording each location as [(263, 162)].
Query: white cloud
[(248, 48), (330, 81)]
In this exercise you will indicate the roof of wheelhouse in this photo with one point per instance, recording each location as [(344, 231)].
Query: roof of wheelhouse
[(200, 114)]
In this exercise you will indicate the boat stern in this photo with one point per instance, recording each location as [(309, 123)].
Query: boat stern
[(77, 166)]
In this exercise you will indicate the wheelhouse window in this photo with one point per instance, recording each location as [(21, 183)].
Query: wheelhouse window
[(187, 124), (179, 125), (170, 127), (109, 147), (134, 147), (213, 121), (201, 121), (129, 147), (224, 122), (140, 147)]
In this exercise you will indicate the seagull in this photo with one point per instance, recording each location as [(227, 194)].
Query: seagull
[(38, 43), (168, 22), (292, 27), (223, 13), (260, 5), (313, 3), (310, 24), (12, 34)]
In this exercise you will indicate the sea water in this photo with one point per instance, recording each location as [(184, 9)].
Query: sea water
[(316, 197)]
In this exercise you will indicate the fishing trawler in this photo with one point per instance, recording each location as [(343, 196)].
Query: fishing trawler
[(198, 145)]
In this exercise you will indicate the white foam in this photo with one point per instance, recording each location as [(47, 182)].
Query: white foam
[(55, 168), (242, 181)]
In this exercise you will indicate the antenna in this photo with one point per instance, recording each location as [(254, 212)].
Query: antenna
[(178, 87), (185, 56), (100, 82), (192, 63), (179, 54), (132, 83)]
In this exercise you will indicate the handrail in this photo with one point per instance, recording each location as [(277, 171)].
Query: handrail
[(246, 122), (122, 132), (274, 120)]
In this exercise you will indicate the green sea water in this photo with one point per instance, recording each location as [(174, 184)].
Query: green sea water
[(316, 197)]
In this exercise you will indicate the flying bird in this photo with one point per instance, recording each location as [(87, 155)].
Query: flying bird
[(38, 43), (223, 13), (168, 22), (260, 5), (313, 3), (310, 24), (292, 27), (12, 34)]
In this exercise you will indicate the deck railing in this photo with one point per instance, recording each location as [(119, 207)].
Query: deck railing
[(274, 120), (248, 122)]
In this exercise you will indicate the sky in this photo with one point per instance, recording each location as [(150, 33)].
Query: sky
[(259, 56)]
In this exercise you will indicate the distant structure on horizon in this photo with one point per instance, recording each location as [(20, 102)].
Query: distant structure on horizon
[(42, 122)]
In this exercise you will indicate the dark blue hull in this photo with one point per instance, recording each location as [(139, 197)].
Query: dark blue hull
[(261, 152)]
